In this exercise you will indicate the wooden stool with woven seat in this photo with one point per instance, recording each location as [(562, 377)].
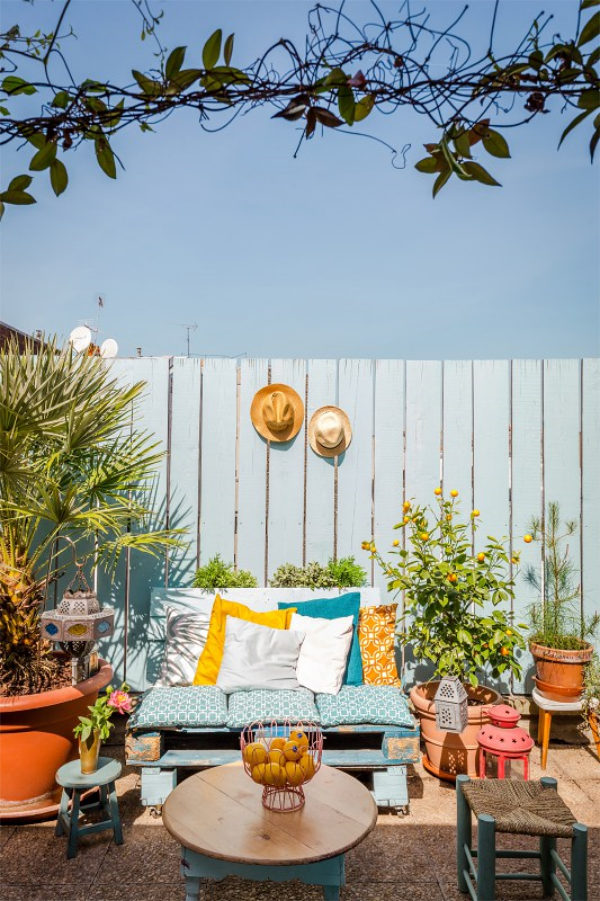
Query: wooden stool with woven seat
[(517, 808)]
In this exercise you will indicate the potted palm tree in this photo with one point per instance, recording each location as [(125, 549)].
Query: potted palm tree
[(559, 631), (457, 617), (70, 465)]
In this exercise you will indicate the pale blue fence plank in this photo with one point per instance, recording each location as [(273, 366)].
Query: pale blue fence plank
[(526, 488), (591, 489), (562, 474), (458, 429), (219, 427), (252, 475), (355, 466), (286, 478), (184, 464), (322, 391), (389, 457), (146, 571)]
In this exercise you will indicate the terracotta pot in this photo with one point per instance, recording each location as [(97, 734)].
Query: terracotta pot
[(36, 739), (450, 753), (89, 751), (559, 673)]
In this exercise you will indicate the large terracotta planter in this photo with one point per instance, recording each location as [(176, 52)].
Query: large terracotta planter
[(450, 753), (559, 673), (36, 738)]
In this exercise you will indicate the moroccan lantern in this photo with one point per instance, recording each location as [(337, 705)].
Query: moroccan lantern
[(451, 713)]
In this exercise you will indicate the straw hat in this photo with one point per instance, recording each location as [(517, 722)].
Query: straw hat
[(329, 432), (277, 412)]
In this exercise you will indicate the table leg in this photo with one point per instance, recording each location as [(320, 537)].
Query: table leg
[(331, 892), (595, 727), (192, 888), (547, 725)]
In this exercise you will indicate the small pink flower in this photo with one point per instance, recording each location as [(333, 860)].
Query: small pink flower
[(121, 701)]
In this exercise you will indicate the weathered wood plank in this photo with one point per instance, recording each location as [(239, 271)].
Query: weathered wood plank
[(252, 475), (389, 456), (322, 391), (286, 478), (219, 426), (457, 448), (491, 439), (591, 488), (355, 465), (185, 458), (144, 746)]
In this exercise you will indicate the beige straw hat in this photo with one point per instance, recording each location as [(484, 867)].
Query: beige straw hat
[(329, 432), (277, 412)]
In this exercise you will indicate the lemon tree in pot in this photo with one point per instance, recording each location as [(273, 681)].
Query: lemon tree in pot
[(458, 593), (559, 631)]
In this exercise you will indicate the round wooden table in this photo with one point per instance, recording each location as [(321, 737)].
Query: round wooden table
[(218, 818)]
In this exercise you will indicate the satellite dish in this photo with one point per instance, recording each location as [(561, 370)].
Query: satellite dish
[(80, 338), (109, 348)]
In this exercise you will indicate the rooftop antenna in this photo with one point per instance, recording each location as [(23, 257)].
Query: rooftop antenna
[(189, 329)]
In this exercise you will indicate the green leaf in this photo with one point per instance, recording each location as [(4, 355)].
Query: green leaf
[(440, 182), (481, 174), (346, 104), (186, 77), (592, 58), (59, 178), (18, 198), (1, 209), (13, 86), (589, 99), (363, 108), (20, 182), (536, 59), (574, 123), (463, 145), (228, 50), (590, 30), (37, 139), (43, 158), (495, 144), (429, 164), (61, 100), (106, 158), (212, 49), (336, 78), (595, 139), (4, 111), (149, 87), (175, 62), (588, 4)]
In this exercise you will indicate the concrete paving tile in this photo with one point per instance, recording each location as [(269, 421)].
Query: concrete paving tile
[(174, 891), (33, 856), (5, 834), (243, 890), (44, 892), (392, 891), (138, 863)]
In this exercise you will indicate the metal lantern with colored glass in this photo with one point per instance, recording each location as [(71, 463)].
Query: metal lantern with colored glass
[(451, 705), (77, 623)]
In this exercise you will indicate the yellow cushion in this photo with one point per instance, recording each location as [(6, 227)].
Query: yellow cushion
[(376, 636), (209, 663)]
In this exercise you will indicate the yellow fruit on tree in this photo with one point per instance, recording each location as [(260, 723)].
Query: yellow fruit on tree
[(255, 753), (505, 652), (294, 772), (527, 539), (476, 513), (424, 536), (277, 756), (406, 505), (277, 744), (275, 774), (258, 773), (437, 491), (395, 542), (454, 493), (406, 519), (481, 557), (452, 577), (308, 765), (292, 750), (301, 739)]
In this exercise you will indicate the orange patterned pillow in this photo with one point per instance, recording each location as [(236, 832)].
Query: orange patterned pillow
[(376, 636)]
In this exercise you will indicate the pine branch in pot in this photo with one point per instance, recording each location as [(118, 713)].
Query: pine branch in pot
[(457, 616)]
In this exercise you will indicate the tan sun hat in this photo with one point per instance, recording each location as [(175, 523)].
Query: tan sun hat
[(329, 432), (277, 412)]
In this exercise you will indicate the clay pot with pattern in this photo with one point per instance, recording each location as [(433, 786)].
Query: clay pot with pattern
[(559, 673)]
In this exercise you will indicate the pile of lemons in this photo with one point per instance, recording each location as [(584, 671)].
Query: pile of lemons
[(281, 761)]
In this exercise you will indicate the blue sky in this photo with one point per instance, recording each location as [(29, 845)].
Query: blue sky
[(333, 254)]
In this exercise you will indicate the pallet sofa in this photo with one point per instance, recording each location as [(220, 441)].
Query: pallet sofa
[(172, 739)]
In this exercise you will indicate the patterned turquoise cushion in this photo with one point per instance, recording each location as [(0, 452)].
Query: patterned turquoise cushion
[(194, 707), (382, 705), (246, 707)]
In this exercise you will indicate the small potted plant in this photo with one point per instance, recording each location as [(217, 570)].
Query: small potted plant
[(458, 592), (95, 728), (342, 573), (590, 699), (559, 631), (218, 574)]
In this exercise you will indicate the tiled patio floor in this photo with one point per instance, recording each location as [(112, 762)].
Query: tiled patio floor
[(405, 859)]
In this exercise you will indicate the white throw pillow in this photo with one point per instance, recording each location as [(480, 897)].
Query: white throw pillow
[(256, 656), (186, 637), (324, 652)]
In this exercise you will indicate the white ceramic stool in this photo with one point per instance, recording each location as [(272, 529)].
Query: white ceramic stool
[(547, 708)]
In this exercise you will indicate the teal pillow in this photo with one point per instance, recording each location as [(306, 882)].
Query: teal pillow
[(334, 608)]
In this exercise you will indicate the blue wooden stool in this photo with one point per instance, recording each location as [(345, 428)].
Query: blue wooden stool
[(74, 783), (517, 808)]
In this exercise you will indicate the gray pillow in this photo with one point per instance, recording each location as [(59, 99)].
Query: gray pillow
[(186, 637), (256, 657)]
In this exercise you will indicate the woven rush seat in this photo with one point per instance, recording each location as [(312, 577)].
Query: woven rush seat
[(521, 808)]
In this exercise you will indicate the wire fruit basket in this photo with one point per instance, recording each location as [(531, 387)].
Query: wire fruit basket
[(282, 757)]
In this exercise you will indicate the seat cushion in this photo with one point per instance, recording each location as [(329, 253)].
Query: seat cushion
[(334, 608), (381, 705), (210, 659), (194, 707), (247, 707), (377, 639)]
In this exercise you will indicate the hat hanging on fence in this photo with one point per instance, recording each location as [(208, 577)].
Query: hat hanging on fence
[(329, 432), (277, 412)]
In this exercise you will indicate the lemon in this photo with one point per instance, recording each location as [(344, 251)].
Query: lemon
[(292, 751), (277, 744), (301, 739), (258, 773), (308, 765), (275, 774), (277, 756), (255, 753), (294, 772)]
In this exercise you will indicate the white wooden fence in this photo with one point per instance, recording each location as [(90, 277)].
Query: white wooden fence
[(508, 435)]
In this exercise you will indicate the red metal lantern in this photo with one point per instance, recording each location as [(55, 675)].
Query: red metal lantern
[(504, 740)]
